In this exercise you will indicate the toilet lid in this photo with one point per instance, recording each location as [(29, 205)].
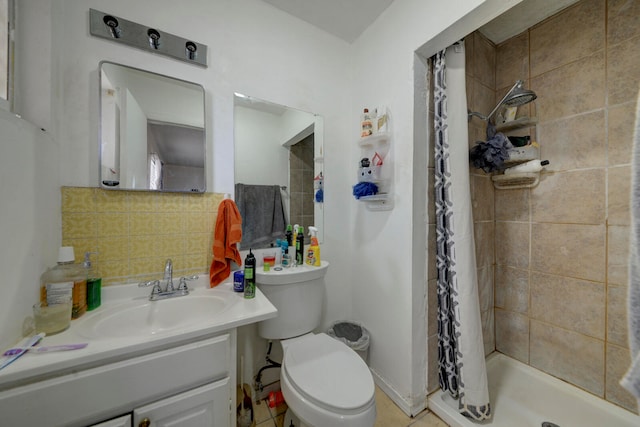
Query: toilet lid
[(329, 373)]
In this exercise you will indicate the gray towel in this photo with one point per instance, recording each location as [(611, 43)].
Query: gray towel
[(262, 214), (631, 380)]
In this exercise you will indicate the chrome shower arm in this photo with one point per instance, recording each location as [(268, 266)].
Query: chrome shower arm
[(518, 83)]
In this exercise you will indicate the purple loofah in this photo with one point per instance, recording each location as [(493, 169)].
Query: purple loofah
[(491, 155)]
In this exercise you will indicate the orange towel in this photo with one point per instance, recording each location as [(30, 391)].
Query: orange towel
[(227, 233)]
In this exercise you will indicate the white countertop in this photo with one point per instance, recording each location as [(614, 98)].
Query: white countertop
[(34, 367)]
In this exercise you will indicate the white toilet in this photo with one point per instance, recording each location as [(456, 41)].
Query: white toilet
[(324, 382)]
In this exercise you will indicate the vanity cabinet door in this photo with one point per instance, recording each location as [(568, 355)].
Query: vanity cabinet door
[(204, 406), (124, 421)]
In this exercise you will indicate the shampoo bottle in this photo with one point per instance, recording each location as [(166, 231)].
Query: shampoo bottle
[(313, 253), (530, 166), (250, 276), (286, 258), (289, 235), (300, 247)]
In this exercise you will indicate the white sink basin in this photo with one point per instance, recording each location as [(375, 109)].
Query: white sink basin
[(141, 317)]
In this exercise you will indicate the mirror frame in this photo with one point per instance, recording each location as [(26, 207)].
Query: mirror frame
[(101, 143)]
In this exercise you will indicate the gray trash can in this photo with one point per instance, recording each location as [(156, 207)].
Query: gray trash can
[(353, 335)]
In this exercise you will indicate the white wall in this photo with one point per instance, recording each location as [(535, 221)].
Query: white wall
[(29, 219), (377, 272)]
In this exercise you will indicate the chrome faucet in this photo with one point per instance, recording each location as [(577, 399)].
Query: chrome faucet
[(168, 275), (169, 291)]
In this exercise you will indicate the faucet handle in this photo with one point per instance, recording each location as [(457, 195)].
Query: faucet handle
[(182, 286), (155, 283)]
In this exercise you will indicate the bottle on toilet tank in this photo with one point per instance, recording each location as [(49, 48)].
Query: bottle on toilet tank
[(300, 247), (250, 276)]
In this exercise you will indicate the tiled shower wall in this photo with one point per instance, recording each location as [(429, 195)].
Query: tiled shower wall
[(133, 233), (561, 248), (301, 181)]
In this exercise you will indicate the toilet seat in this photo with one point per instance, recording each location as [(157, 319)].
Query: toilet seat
[(328, 374)]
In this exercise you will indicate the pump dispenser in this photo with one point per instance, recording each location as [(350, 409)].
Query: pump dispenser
[(56, 282), (313, 253)]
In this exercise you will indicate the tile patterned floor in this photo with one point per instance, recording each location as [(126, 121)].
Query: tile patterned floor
[(389, 415)]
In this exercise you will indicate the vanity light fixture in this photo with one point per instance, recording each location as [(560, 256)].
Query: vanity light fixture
[(146, 37), (113, 26), (154, 38), (191, 50)]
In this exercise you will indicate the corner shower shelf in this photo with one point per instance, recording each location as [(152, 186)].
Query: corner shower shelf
[(376, 138), (516, 180), (379, 143), (520, 123)]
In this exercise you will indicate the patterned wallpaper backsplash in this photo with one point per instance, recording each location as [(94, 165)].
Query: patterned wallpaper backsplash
[(134, 232)]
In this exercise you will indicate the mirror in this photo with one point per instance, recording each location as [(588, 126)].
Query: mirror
[(278, 170), (152, 131)]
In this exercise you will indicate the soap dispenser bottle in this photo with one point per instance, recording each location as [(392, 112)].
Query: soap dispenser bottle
[(56, 282), (94, 283)]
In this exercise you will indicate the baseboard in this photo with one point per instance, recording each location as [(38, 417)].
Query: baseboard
[(410, 408)]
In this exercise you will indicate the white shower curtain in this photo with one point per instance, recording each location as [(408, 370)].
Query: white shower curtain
[(462, 370)]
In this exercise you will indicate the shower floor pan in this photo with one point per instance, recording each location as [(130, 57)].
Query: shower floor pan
[(526, 397)]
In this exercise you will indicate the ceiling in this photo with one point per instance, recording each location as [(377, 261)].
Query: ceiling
[(347, 19)]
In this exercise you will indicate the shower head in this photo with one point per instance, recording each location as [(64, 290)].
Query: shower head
[(516, 96)]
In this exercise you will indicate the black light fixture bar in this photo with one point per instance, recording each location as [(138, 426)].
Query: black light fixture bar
[(146, 38)]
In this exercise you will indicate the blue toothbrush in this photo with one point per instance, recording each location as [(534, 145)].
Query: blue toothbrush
[(30, 343)]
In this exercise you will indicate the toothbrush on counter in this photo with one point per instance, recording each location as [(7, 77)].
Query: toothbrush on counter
[(45, 349), (30, 342)]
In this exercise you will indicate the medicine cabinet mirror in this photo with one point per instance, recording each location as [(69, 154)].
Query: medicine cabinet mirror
[(281, 149), (152, 131)]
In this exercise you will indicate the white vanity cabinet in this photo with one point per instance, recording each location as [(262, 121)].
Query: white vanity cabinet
[(190, 384)]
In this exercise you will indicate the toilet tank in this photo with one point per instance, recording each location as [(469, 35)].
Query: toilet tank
[(298, 294)]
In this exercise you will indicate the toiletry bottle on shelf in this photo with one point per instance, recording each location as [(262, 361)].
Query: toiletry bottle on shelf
[(94, 283), (286, 258), (250, 276), (56, 282), (366, 124), (381, 119), (313, 253), (300, 247), (289, 235), (530, 166)]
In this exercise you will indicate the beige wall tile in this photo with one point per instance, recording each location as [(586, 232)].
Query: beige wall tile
[(143, 202), (618, 255), (482, 197), (512, 205), (512, 334), (484, 61), (574, 88), (79, 225), (574, 142), (513, 240), (142, 223), (114, 224), (620, 133), (432, 309), (573, 304), (512, 60), (555, 42), (483, 100), (623, 20), (483, 236), (77, 199), (569, 250), (619, 188), (623, 72), (432, 363), (194, 242), (112, 249), (487, 318), (618, 361), (582, 197), (431, 196), (485, 288), (568, 355), (617, 323), (112, 201), (432, 271), (512, 289)]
